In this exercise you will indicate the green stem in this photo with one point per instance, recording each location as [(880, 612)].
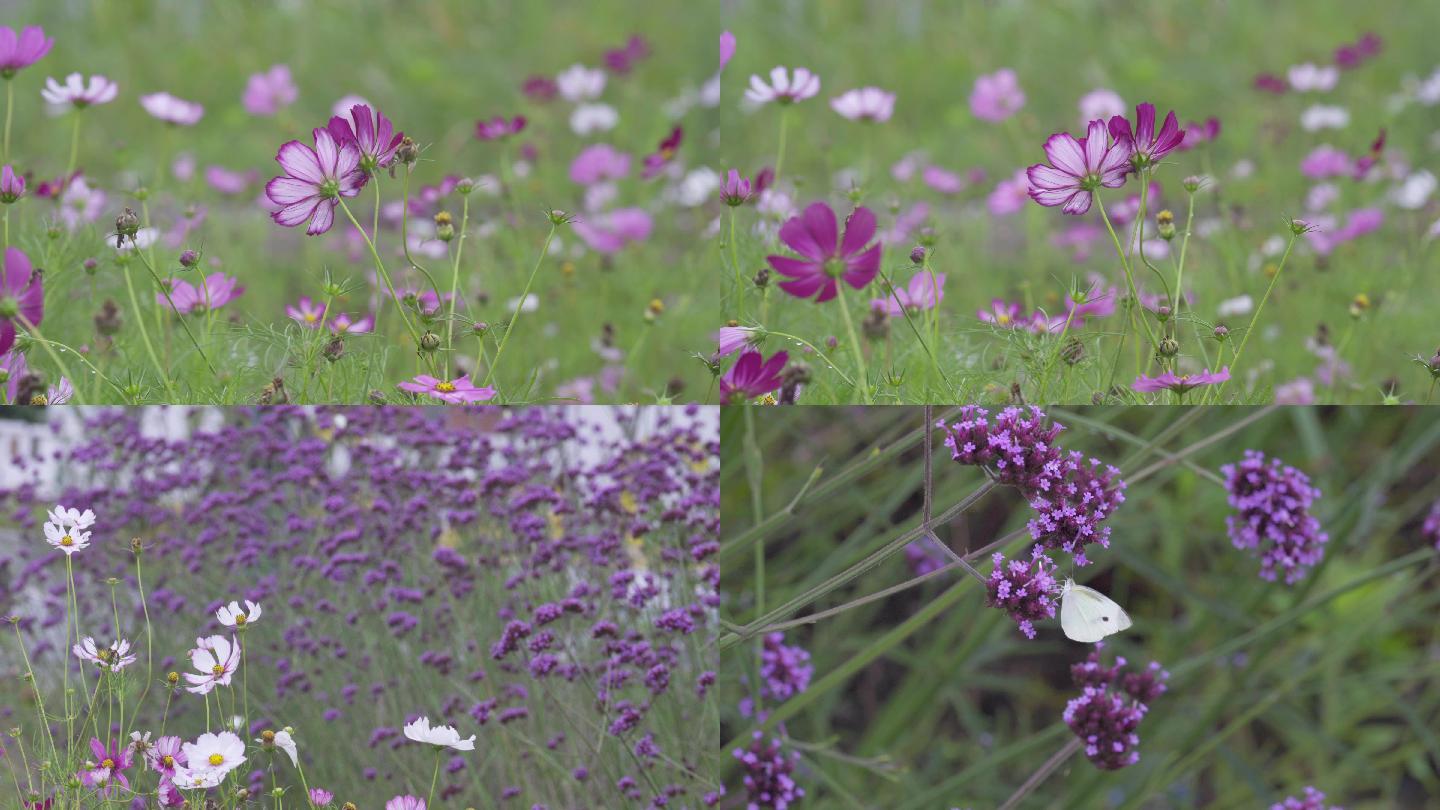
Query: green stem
[(863, 378), (9, 106), (455, 282), (520, 305), (1254, 319), (430, 801), (49, 349), (74, 147), (164, 289), (145, 334), (739, 276), (384, 274), (1129, 277), (780, 151)]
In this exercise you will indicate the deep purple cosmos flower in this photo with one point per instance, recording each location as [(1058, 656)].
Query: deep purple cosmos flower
[(12, 185), (1025, 590), (1078, 168), (656, 161), (924, 291), (458, 391), (826, 255), (499, 127), (22, 296), (370, 132), (1273, 504), (1179, 383), (107, 770), (315, 179), (752, 376), (1312, 800), (18, 51), (1145, 146)]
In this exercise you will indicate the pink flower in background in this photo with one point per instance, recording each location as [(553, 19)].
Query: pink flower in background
[(459, 391), (499, 127), (826, 256), (864, 104), (344, 324), (405, 803), (19, 51), (1010, 195), (191, 298), (1181, 383), (918, 295), (1002, 313), (22, 295), (727, 48), (752, 376), (735, 190), (539, 88), (314, 181), (656, 162), (1325, 162), (621, 60), (996, 96), (78, 93), (308, 313), (227, 181), (1145, 146), (80, 204), (269, 92), (1079, 168), (172, 110), (370, 132), (599, 163), (1103, 104), (1198, 132), (785, 87), (1270, 83), (942, 180), (12, 185), (611, 231)]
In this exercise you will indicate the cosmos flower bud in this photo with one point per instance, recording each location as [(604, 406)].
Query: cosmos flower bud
[(480, 328), (1169, 347), (1300, 226), (1073, 351), (90, 266), (429, 342), (407, 152), (762, 278), (558, 217), (1192, 183), (12, 185), (1165, 221), (917, 254), (189, 258), (126, 225), (464, 185), (349, 806), (1162, 313), (136, 547), (831, 341), (876, 325), (334, 350), (172, 678), (1221, 331), (108, 320)]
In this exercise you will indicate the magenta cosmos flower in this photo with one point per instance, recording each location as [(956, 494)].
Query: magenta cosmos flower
[(499, 127), (734, 191), (346, 324), (1145, 146), (997, 96), (405, 803), (22, 50), (315, 180), (864, 104), (309, 313), (269, 92), (456, 392), (21, 296), (191, 298), (1002, 313), (1180, 384), (370, 132), (785, 87), (172, 110), (79, 93), (12, 185), (106, 771), (826, 256), (920, 294), (1079, 167), (752, 376), (609, 232)]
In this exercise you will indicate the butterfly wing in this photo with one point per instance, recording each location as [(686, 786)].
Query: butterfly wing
[(1087, 616)]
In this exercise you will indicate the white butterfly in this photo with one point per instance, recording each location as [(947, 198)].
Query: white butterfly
[(1088, 615)]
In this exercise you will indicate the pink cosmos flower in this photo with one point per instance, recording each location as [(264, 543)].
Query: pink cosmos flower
[(1002, 313), (578, 83), (215, 659), (1199, 132), (190, 298), (268, 92), (539, 88), (1079, 168), (172, 110), (314, 180), (308, 313), (752, 376), (727, 48), (499, 127), (736, 189), (942, 180), (1145, 146), (344, 324), (12, 185), (731, 339), (996, 96), (78, 93), (370, 132), (599, 163), (1010, 195), (456, 392), (785, 87), (656, 162), (611, 231), (1102, 104), (107, 770), (165, 755), (1179, 384), (864, 104), (918, 295), (227, 181), (1325, 162), (22, 295), (405, 803), (12, 368), (19, 51), (826, 256)]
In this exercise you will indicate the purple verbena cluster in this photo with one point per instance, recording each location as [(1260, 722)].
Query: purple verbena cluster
[(1313, 800), (1431, 530), (1110, 707), (1273, 502), (1024, 590), (785, 670), (767, 774)]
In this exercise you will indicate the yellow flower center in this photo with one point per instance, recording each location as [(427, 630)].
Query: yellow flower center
[(216, 759), (311, 317), (240, 618), (103, 655), (108, 764), (1002, 319), (67, 540), (218, 669), (168, 760), (445, 387)]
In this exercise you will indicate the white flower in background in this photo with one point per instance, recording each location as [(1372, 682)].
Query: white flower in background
[(1321, 196), (67, 540), (1415, 191), (530, 304), (77, 93), (1101, 104), (1428, 91), (215, 659), (342, 107), (215, 753), (1237, 306), (144, 238), (697, 187), (864, 104), (579, 83), (785, 86), (420, 731), (197, 778), (71, 518), (114, 658), (591, 118), (232, 616), (1309, 77), (1323, 116)]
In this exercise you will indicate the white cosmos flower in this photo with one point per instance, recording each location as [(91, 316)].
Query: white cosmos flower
[(1324, 116), (67, 540), (579, 83), (232, 616), (785, 87), (217, 753), (1311, 77), (591, 118), (285, 742), (530, 304), (215, 658), (115, 657), (864, 104), (144, 238), (420, 731), (1415, 191), (1239, 305), (71, 518), (197, 779)]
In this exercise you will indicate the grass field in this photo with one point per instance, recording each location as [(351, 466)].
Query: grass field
[(1343, 319), (890, 683), (613, 315)]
